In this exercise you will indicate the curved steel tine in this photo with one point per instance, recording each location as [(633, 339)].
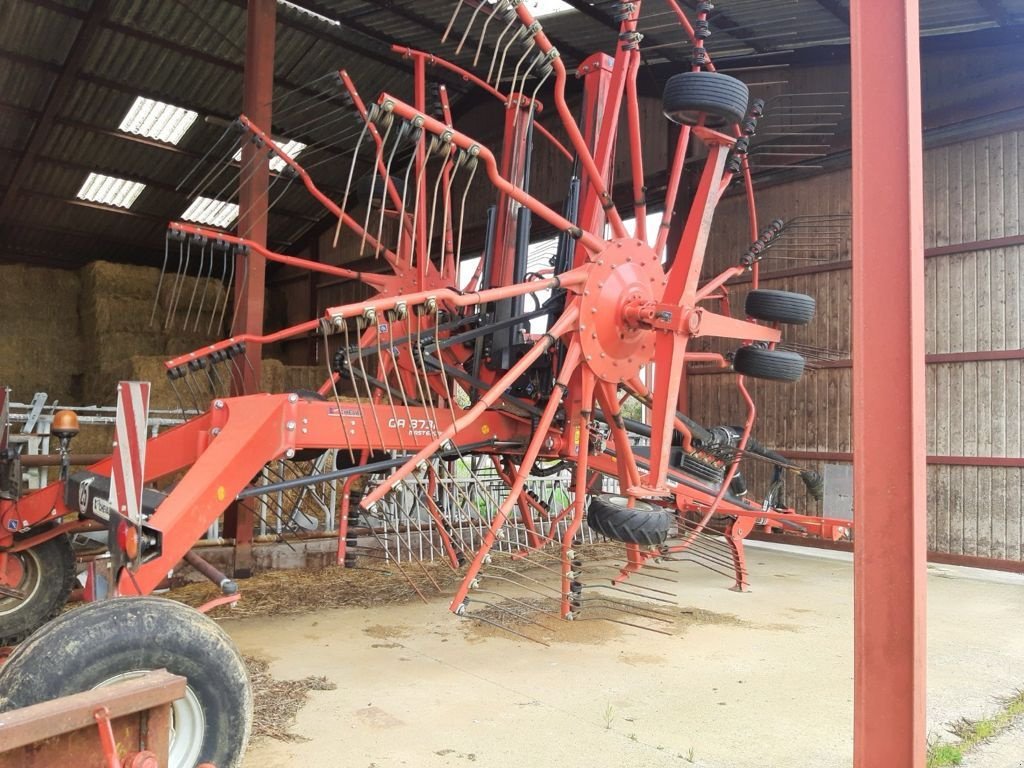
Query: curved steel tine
[(160, 282), (403, 130), (206, 287), (177, 396), (187, 380), (229, 256), (348, 182), (462, 215), (483, 32), (451, 21), (418, 135), (200, 161), (433, 203), (195, 285), (516, 37), (501, 626), (515, 72), (374, 172), (218, 385), (472, 19), (497, 43), (172, 303)]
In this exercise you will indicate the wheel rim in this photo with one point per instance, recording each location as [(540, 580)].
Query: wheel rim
[(188, 723), (29, 583), (623, 501)]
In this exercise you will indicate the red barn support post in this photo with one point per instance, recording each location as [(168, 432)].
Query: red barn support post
[(255, 178), (888, 387), (252, 218)]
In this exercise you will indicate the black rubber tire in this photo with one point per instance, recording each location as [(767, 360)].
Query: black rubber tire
[(48, 578), (721, 99), (88, 646), (780, 306), (770, 364), (643, 523)]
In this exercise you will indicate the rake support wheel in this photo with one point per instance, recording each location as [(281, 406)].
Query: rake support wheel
[(720, 98), (643, 523), (780, 306), (768, 364)]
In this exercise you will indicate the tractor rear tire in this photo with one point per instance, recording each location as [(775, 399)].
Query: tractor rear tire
[(768, 364), (102, 643), (721, 99), (48, 576), (643, 523), (780, 306)]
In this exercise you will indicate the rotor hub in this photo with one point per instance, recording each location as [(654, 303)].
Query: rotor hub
[(625, 273)]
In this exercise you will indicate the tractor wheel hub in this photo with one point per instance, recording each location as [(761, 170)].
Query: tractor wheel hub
[(627, 272)]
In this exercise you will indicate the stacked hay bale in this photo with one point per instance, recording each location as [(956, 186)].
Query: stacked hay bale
[(74, 335), (116, 305), (191, 309), (40, 349), (308, 377), (120, 323)]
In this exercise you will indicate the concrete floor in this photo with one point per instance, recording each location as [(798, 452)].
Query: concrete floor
[(1004, 751), (764, 680)]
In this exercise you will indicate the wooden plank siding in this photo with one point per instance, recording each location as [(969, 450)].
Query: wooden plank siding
[(974, 304)]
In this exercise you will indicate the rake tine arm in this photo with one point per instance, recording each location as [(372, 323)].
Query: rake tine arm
[(470, 77), (361, 108), (269, 338), (571, 362), (590, 242), (576, 138), (629, 475), (636, 156), (567, 280), (522, 501), (370, 278), (307, 182)]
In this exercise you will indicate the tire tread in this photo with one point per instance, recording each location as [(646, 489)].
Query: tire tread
[(647, 524)]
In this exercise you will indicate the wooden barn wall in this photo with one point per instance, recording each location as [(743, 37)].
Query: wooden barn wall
[(974, 305)]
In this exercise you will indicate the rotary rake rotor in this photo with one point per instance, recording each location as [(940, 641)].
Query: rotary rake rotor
[(445, 369)]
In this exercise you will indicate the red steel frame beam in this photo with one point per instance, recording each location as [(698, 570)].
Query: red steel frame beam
[(888, 387)]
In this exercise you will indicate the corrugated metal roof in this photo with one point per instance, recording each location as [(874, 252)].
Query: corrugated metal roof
[(36, 31), (191, 54)]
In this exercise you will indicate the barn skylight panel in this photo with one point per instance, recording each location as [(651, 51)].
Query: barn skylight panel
[(289, 147), (543, 8), (314, 14), (110, 190), (216, 213), (156, 120)]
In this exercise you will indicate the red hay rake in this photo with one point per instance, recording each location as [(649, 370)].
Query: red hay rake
[(439, 372)]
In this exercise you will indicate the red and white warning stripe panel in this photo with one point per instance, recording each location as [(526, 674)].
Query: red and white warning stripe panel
[(129, 459)]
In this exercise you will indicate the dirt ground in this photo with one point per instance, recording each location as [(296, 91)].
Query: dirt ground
[(728, 680)]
